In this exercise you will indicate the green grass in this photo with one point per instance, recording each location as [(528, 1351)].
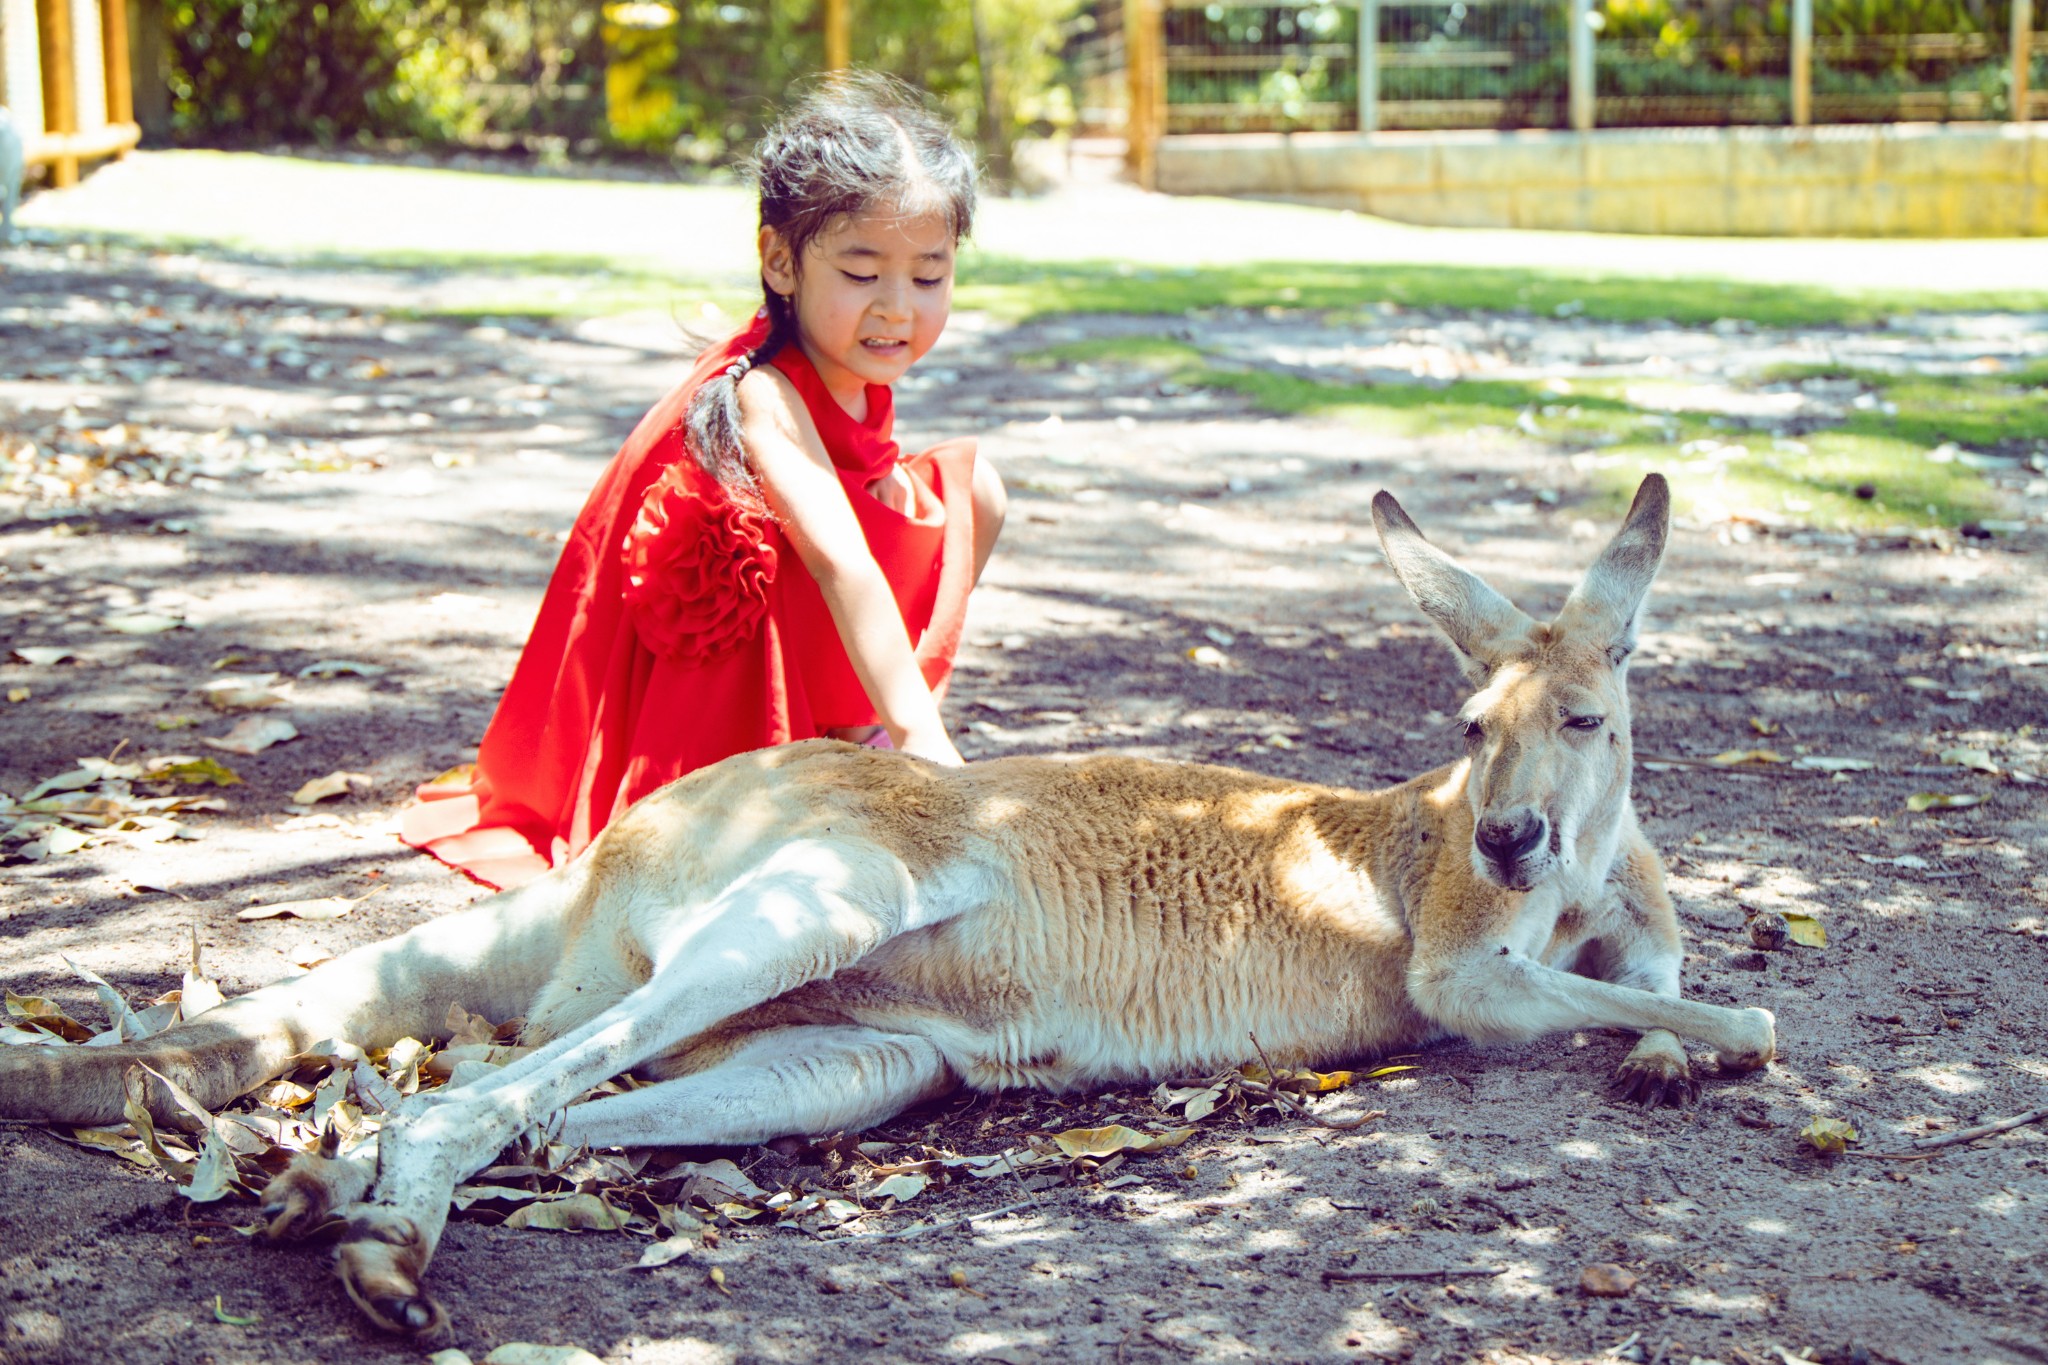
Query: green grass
[(1019, 289), (1812, 480)]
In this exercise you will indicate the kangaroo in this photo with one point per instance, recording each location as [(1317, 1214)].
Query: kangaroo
[(815, 937)]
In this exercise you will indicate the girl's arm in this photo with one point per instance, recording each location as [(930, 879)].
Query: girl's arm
[(804, 492)]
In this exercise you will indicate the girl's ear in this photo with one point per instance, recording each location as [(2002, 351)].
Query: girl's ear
[(778, 262)]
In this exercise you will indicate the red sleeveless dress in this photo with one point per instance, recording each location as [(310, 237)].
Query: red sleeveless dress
[(680, 628)]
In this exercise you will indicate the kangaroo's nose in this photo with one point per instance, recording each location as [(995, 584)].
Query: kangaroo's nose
[(1504, 839)]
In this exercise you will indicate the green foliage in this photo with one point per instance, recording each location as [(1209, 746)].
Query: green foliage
[(695, 78)]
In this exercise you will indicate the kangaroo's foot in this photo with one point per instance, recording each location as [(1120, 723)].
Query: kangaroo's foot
[(1657, 1072), (315, 1188), (1756, 1044), (383, 1264)]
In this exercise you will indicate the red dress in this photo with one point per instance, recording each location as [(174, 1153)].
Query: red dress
[(680, 628)]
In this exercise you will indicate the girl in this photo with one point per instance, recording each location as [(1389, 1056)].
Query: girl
[(759, 563)]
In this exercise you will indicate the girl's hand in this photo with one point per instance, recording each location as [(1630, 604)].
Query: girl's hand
[(933, 744)]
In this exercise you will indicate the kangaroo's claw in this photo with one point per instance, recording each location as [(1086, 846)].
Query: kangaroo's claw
[(312, 1191), (1657, 1072)]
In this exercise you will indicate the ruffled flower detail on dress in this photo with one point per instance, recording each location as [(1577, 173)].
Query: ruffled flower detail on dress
[(697, 568)]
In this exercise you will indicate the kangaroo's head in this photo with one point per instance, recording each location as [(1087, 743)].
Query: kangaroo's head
[(1547, 728)]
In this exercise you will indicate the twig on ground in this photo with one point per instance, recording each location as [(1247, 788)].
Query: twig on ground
[(920, 1229), (1741, 769), (1982, 1130), (1455, 1272)]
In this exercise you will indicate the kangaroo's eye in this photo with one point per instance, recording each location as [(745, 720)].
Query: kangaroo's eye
[(1585, 723), (1474, 732)]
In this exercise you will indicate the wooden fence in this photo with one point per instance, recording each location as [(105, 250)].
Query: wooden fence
[(67, 79)]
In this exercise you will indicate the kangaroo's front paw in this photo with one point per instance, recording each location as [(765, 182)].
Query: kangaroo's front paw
[(1754, 1044), (1657, 1072), (312, 1190), (382, 1265)]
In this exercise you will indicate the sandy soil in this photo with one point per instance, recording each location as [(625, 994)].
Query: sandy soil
[(335, 485)]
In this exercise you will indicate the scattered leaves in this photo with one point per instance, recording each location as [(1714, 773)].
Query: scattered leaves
[(661, 1253), (42, 656), (195, 772), (576, 1213), (1108, 1141), (1208, 656), (1976, 759), (243, 692)]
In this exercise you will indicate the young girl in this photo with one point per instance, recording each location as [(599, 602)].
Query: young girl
[(759, 563)]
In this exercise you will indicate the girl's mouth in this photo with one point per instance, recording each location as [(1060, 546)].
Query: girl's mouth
[(885, 344)]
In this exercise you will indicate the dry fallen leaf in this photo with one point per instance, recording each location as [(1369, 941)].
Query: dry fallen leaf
[(1735, 758), (1962, 757), (254, 734), (18, 694), (323, 907), (328, 668), (527, 1353), (192, 771), (334, 784), (1805, 930), (577, 1213), (1108, 1141), (662, 1252), (243, 692), (142, 623), (899, 1187), (1208, 656), (42, 655), (1828, 1135), (1606, 1280), (1920, 801)]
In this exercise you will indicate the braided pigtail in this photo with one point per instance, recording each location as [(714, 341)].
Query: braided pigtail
[(713, 421)]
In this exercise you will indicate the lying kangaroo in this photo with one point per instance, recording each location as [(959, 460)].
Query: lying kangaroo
[(816, 937)]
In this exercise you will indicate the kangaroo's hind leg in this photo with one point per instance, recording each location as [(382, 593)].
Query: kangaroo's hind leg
[(819, 1078), (812, 907)]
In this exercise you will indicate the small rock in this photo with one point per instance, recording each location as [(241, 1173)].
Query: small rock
[(1866, 491), (1769, 931), (1749, 962), (1606, 1280)]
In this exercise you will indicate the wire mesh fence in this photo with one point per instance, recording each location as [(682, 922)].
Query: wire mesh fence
[(1504, 64)]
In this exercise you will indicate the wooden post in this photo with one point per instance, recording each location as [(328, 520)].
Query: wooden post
[(1368, 66), (2022, 57), (838, 36), (1144, 72), (1581, 54), (1802, 63), (60, 84), (120, 74)]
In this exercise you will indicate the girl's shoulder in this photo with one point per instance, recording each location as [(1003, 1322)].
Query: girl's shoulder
[(770, 402)]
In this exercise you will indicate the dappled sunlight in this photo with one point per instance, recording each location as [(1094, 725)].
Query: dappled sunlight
[(1947, 1078)]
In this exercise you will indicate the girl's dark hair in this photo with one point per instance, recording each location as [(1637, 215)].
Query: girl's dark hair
[(855, 143)]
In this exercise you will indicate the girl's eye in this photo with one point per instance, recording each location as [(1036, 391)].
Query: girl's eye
[(859, 279), (1586, 723), (930, 284)]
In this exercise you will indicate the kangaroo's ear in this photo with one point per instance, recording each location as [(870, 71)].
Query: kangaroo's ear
[(1481, 625), (1608, 603)]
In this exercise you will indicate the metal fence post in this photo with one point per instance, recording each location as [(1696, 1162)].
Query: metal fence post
[(1368, 66), (1802, 62), (1582, 65), (2022, 56)]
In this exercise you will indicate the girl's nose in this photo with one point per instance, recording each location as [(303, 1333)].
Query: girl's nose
[(892, 300)]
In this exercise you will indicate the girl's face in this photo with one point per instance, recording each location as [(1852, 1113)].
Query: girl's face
[(871, 296)]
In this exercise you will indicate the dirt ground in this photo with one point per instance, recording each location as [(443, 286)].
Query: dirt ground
[(311, 479)]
